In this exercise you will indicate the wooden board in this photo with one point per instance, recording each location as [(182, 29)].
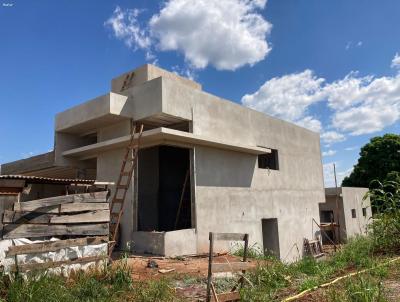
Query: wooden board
[(51, 264), (52, 246), (12, 231), (88, 217), (46, 218), (68, 208), (230, 267), (33, 205), (229, 236)]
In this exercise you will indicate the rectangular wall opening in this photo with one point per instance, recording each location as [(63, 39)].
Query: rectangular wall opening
[(164, 189), (270, 237), (269, 160)]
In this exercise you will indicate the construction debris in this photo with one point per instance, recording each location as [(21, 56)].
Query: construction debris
[(71, 218)]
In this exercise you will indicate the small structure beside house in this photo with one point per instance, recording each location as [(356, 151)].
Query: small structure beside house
[(345, 213)]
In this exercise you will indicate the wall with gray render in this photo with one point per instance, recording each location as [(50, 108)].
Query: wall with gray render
[(330, 205), (353, 199), (232, 193), (108, 169)]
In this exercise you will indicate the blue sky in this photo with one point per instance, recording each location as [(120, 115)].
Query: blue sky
[(327, 65)]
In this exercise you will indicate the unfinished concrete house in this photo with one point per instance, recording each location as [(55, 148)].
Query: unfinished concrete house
[(344, 211), (230, 168)]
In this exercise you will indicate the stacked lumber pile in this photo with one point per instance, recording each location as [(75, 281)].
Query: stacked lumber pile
[(78, 220)]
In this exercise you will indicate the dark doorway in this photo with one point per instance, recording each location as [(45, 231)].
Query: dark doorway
[(270, 237), (164, 190)]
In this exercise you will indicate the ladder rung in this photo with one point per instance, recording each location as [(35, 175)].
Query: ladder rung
[(122, 187), (117, 200), (125, 173)]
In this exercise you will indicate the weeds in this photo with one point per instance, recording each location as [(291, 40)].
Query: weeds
[(362, 288)]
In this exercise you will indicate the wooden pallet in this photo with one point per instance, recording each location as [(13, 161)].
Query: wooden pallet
[(313, 248)]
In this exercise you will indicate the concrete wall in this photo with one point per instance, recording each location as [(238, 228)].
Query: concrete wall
[(232, 193), (353, 199), (169, 244), (330, 205), (349, 198), (108, 169)]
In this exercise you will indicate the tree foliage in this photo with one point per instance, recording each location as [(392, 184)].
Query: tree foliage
[(379, 159)]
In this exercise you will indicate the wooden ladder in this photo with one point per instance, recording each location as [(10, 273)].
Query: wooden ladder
[(125, 176)]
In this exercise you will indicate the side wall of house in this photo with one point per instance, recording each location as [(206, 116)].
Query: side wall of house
[(330, 205), (232, 193), (353, 199), (108, 169)]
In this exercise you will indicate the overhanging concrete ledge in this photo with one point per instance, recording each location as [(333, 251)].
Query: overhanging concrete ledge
[(162, 136)]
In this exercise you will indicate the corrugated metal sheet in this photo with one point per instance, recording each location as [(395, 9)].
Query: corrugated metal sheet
[(48, 180)]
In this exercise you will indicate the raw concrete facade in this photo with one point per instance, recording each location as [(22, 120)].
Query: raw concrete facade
[(354, 212), (219, 142)]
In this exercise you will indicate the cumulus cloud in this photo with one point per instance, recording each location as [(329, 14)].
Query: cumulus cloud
[(310, 123), (396, 61), (351, 148), (126, 27), (359, 105), (331, 137), (288, 97), (364, 105), (329, 153), (226, 34)]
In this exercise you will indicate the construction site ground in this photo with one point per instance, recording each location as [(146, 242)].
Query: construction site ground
[(188, 273)]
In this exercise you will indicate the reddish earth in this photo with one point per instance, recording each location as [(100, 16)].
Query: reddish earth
[(182, 267)]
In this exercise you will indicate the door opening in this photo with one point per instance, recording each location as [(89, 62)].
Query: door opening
[(270, 237), (164, 189)]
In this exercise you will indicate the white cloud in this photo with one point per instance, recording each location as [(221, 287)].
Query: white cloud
[(352, 44), (359, 105), (226, 34), (329, 153), (331, 137), (396, 61), (126, 27), (310, 123), (288, 97), (364, 105), (352, 148)]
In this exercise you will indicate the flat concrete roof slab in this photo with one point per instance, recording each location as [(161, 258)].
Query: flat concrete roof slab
[(162, 136)]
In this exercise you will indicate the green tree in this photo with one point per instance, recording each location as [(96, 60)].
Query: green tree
[(379, 159)]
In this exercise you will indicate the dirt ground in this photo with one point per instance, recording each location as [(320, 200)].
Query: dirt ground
[(195, 267), (189, 274)]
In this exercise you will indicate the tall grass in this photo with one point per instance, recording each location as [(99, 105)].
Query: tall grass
[(108, 284)]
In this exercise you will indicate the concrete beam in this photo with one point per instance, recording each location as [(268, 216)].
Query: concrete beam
[(93, 114), (163, 136)]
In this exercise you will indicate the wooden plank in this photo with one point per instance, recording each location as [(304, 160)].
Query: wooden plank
[(229, 236), (81, 207), (24, 217), (88, 217), (229, 267), (52, 246), (33, 205), (12, 231), (51, 264), (230, 296), (46, 218), (70, 208)]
